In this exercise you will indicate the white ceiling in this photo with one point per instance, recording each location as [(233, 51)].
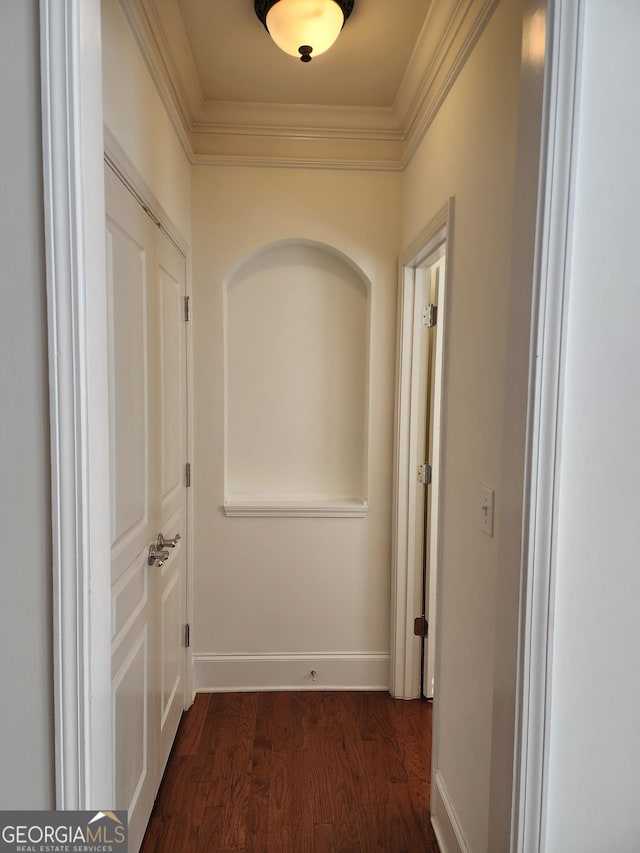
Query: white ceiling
[(234, 97), (236, 60)]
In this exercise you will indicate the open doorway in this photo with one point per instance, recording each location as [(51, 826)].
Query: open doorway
[(429, 391), (418, 471)]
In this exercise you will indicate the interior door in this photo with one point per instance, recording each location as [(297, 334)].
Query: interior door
[(433, 283), (147, 380), (171, 576)]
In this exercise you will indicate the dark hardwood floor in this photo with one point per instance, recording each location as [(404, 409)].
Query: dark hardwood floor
[(297, 773)]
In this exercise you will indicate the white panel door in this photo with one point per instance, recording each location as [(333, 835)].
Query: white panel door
[(147, 378), (170, 283), (435, 283)]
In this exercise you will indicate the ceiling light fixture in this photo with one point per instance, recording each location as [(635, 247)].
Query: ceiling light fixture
[(303, 27)]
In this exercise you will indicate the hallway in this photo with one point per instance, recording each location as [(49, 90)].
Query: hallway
[(297, 772)]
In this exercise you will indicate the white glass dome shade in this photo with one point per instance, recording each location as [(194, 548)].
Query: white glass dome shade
[(305, 28)]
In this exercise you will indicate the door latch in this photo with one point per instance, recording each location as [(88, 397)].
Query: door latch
[(161, 542), (157, 556)]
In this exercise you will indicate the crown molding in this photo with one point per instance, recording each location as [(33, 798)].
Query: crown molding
[(303, 135), (148, 34), (266, 162), (450, 33), (308, 120), (288, 151), (333, 165)]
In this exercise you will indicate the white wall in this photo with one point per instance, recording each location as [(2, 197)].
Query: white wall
[(470, 153), (514, 415), (135, 115), (296, 373), (291, 587), (26, 681), (595, 697)]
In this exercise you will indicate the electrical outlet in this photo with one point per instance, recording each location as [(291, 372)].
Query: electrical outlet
[(486, 510)]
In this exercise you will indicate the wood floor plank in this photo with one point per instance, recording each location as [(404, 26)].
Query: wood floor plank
[(306, 772), (210, 839), (257, 834), (324, 838), (189, 736), (327, 779), (172, 826), (236, 814), (218, 767), (279, 821), (301, 801)]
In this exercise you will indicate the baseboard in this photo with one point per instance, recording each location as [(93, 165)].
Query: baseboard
[(240, 672), (444, 820)]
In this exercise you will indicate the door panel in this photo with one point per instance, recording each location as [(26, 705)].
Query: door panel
[(129, 598), (173, 380), (130, 710), (147, 377), (434, 283), (128, 371), (172, 579), (171, 664), (170, 669), (132, 311)]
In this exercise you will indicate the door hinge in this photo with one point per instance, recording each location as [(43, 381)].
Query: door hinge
[(425, 473), (187, 636), (187, 474), (430, 316), (187, 309), (421, 626)]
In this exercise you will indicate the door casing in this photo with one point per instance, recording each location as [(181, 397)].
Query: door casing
[(147, 286), (406, 576), (116, 157), (73, 147), (73, 143)]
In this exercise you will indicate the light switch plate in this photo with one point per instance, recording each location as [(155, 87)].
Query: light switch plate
[(486, 510)]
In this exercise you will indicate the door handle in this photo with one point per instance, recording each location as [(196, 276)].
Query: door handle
[(161, 542), (157, 556)]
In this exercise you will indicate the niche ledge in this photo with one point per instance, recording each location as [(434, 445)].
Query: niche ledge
[(285, 506)]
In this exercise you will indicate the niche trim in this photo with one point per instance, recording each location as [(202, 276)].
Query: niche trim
[(278, 507), (297, 316)]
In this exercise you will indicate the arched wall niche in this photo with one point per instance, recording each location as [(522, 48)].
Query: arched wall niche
[(297, 331)]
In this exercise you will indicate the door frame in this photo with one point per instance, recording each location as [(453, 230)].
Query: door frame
[(72, 130), (405, 652), (72, 154), (553, 76), (73, 148), (116, 158)]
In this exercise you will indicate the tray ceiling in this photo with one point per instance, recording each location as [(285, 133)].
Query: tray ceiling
[(236, 60), (234, 97)]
